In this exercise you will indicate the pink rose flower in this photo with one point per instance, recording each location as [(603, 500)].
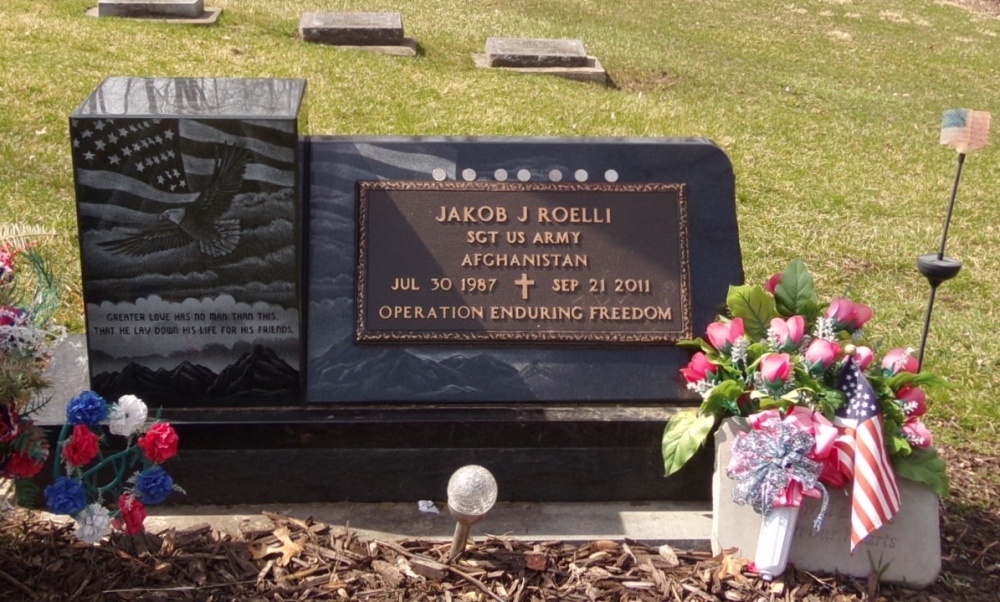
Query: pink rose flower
[(722, 335), (914, 401), (789, 332), (699, 368), (863, 357), (848, 315), (899, 360), (772, 283), (917, 434), (821, 354), (776, 369)]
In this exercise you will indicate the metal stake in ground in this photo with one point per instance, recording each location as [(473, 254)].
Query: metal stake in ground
[(472, 491), (966, 131)]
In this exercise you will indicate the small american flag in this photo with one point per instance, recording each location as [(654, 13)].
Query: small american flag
[(965, 130), (875, 495)]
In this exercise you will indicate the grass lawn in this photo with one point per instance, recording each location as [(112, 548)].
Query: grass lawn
[(829, 109)]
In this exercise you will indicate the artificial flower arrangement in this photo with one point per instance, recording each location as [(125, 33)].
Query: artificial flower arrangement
[(29, 297), (129, 479), (801, 373)]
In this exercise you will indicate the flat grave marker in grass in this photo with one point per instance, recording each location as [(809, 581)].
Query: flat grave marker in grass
[(563, 57), (379, 32), (179, 11)]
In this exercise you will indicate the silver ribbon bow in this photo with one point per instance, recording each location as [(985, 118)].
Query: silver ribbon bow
[(767, 459)]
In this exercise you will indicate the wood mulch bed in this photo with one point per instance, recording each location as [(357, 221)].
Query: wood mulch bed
[(306, 560)]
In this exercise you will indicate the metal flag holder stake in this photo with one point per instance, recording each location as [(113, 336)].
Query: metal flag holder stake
[(966, 131), (472, 491)]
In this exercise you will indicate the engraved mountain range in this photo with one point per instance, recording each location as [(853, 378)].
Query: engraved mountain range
[(256, 374), (348, 371)]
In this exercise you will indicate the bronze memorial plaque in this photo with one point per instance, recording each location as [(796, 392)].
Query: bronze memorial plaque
[(512, 262)]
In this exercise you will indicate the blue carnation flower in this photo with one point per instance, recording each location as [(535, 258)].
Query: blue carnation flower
[(65, 496), (153, 486), (87, 408)]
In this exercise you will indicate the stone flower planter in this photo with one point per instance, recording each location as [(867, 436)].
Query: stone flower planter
[(909, 546)]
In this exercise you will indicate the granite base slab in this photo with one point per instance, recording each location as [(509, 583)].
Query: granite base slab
[(210, 16), (408, 47), (403, 453), (593, 71)]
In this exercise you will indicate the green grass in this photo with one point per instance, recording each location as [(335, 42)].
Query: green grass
[(829, 110)]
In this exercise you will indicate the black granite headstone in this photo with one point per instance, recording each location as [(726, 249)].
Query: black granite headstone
[(188, 200), (508, 302)]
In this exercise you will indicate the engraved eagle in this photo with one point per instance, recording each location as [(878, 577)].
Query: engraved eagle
[(199, 221)]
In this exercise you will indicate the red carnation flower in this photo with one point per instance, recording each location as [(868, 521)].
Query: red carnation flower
[(133, 513), (159, 444), (82, 446), (21, 466)]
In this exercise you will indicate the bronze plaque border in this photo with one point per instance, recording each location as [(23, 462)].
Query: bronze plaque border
[(364, 335)]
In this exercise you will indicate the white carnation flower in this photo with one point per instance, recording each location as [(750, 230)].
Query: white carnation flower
[(93, 523), (127, 415)]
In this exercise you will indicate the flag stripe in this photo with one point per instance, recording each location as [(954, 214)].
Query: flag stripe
[(875, 494)]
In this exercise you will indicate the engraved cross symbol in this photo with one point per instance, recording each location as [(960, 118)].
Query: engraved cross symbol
[(524, 283)]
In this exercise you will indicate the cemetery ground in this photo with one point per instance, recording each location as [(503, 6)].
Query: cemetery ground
[(829, 110), (306, 560)]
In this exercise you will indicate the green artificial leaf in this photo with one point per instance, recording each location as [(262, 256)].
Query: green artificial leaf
[(27, 493), (796, 293), (767, 402), (756, 308), (924, 465), (684, 435), (699, 344), (921, 379), (897, 445), (723, 398)]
